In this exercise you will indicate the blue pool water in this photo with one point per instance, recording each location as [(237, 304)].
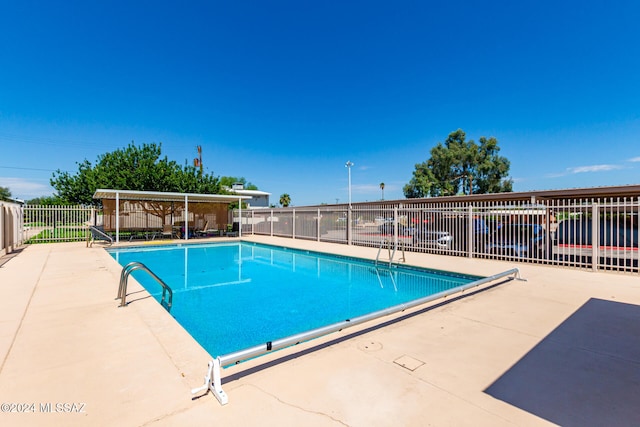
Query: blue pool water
[(231, 296)]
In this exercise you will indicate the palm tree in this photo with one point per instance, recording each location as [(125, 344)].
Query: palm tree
[(382, 188), (285, 200)]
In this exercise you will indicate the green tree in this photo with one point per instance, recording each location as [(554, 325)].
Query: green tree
[(461, 166), (131, 168), (5, 193), (285, 200), (46, 201), (382, 188)]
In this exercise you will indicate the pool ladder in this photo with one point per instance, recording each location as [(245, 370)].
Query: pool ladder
[(391, 254), (124, 280)]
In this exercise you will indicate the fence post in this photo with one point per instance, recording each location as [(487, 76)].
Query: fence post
[(470, 230), (595, 236), (271, 222), (396, 227), (293, 223), (117, 213), (21, 236), (548, 236), (349, 220), (318, 226)]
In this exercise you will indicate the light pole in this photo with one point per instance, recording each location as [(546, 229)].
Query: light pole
[(348, 166)]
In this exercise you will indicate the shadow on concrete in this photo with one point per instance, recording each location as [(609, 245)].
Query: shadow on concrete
[(584, 373), (8, 257)]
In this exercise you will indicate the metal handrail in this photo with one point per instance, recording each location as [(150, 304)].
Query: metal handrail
[(382, 242), (124, 280), (391, 255)]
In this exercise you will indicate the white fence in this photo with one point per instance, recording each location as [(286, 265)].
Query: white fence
[(10, 226), (596, 234), (47, 224)]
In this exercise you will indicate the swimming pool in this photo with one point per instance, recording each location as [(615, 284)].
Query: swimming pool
[(241, 300), (231, 296)]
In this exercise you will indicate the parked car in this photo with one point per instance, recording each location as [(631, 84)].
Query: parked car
[(519, 240), (434, 239), (388, 227), (423, 235)]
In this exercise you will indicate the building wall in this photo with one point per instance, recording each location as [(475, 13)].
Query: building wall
[(10, 226), (259, 202)]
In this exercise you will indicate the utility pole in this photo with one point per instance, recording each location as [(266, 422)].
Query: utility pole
[(198, 161)]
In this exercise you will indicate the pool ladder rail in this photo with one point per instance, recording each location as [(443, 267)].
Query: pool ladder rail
[(388, 245), (124, 280)]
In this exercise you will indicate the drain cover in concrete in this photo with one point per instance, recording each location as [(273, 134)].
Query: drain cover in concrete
[(369, 346), (408, 362)]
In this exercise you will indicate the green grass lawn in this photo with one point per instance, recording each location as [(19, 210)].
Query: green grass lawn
[(62, 234)]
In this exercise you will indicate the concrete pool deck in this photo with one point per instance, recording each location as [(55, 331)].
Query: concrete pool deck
[(553, 349)]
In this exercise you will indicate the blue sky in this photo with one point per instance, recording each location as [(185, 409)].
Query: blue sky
[(283, 93)]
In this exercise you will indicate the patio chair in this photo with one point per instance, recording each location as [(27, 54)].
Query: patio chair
[(234, 229), (98, 234), (206, 231), (167, 231), (202, 230)]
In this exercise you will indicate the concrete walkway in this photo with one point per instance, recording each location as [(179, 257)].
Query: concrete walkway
[(548, 350)]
